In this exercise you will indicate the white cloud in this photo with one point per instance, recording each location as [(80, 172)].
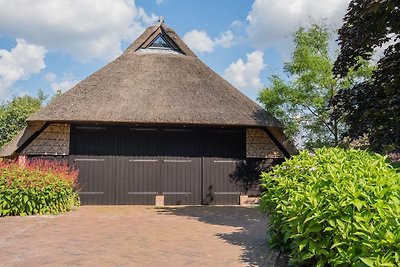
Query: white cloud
[(50, 77), (85, 29), (64, 84), (159, 2), (22, 61), (225, 39), (271, 22), (246, 75), (199, 41), (237, 24), (144, 18)]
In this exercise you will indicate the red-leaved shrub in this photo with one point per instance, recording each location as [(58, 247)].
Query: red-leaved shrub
[(37, 187)]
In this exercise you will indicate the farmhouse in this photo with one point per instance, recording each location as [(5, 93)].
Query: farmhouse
[(155, 124)]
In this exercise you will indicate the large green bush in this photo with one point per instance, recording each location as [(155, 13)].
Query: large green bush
[(39, 187), (334, 207)]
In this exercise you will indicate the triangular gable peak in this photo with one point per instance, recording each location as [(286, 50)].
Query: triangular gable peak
[(159, 39), (160, 35)]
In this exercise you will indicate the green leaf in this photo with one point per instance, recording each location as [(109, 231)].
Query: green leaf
[(301, 247), (368, 261), (337, 244), (314, 228), (5, 212), (358, 203), (340, 223)]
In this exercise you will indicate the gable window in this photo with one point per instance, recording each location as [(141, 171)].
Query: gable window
[(160, 43)]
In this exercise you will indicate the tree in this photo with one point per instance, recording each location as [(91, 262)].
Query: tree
[(303, 103), (13, 115), (371, 108)]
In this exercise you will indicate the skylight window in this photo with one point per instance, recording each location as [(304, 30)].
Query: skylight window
[(160, 43)]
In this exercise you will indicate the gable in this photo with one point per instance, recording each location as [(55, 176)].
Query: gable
[(259, 145), (159, 39), (54, 140)]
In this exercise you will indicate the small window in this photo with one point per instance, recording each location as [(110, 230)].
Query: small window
[(160, 42)]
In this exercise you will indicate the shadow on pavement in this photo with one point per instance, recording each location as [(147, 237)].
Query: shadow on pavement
[(252, 226)]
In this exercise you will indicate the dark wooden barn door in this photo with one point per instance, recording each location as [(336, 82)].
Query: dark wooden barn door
[(138, 164), (128, 165), (181, 167), (219, 186), (226, 151), (137, 180), (94, 156), (181, 181), (101, 169)]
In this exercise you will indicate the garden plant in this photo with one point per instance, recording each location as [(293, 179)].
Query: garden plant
[(334, 207), (37, 187)]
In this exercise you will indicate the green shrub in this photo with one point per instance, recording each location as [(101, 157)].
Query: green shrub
[(334, 207), (39, 187), (396, 165)]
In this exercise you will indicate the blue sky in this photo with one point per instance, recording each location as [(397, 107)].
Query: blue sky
[(54, 44)]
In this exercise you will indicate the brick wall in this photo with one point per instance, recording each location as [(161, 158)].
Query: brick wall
[(259, 145)]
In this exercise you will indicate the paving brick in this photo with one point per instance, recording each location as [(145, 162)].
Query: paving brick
[(138, 236)]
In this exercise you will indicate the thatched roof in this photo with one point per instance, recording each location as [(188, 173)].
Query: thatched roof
[(10, 149), (147, 86), (165, 87)]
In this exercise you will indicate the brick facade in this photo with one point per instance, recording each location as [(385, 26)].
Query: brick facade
[(259, 145)]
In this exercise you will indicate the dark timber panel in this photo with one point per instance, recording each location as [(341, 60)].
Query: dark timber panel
[(137, 180), (218, 187), (181, 167), (138, 166), (138, 142), (181, 181), (228, 148), (93, 154), (92, 140), (96, 179), (131, 165)]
